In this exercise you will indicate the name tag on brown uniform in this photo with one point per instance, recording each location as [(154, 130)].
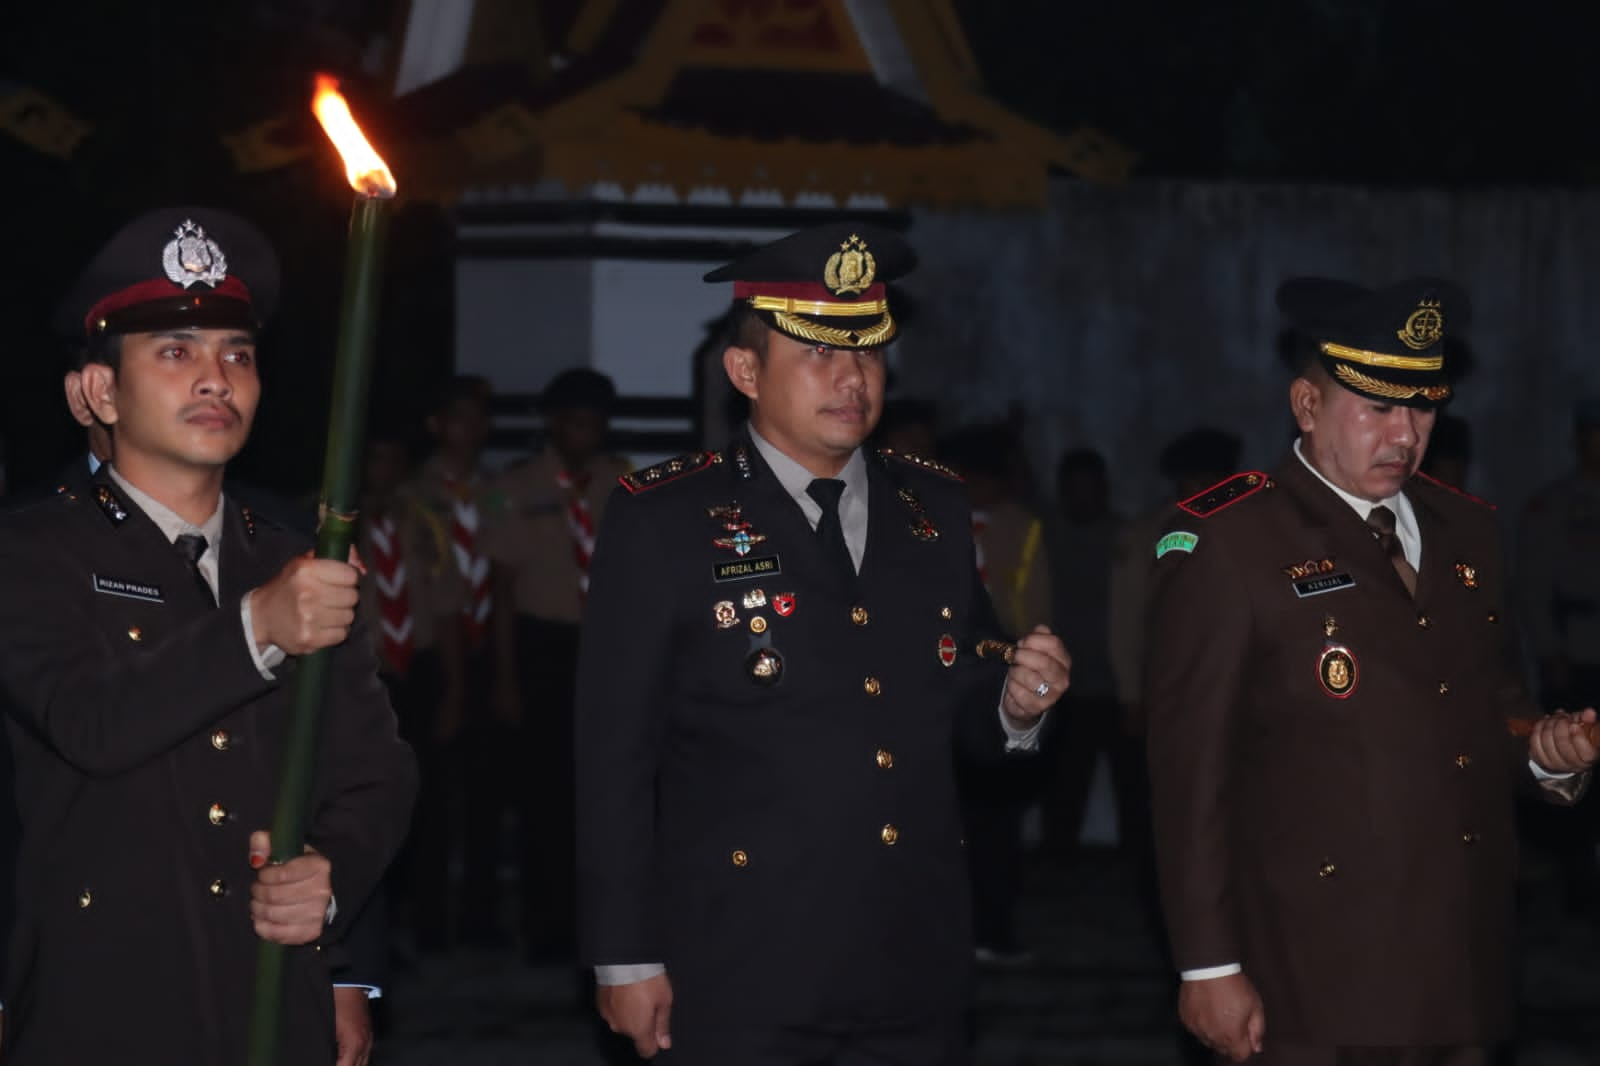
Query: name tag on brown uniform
[(1316, 586)]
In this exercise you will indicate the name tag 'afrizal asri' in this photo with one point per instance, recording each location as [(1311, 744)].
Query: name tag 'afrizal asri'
[(133, 590), (745, 569)]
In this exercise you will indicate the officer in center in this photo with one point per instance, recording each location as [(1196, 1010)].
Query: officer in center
[(778, 655)]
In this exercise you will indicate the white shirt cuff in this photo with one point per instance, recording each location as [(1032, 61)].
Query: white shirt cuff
[(1208, 973), (627, 973), (1020, 739), (373, 991), (264, 660), (1541, 774)]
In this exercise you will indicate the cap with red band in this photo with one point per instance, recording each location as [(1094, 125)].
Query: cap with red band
[(175, 268), (824, 285)]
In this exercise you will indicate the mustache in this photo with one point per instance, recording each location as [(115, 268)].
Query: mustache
[(1404, 455), (207, 406)]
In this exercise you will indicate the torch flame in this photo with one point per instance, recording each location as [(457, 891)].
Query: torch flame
[(368, 173)]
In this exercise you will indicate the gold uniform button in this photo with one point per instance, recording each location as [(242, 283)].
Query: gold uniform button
[(872, 685), (221, 740), (135, 634), (890, 834), (945, 612), (1463, 761), (1444, 688), (859, 616), (1469, 837), (741, 859), (217, 814), (84, 899), (1327, 869), (885, 758), (1494, 616), (1424, 622), (219, 888), (758, 624)]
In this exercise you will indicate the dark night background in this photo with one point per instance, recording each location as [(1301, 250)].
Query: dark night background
[(1343, 91)]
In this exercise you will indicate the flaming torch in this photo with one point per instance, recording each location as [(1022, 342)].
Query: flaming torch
[(374, 187)]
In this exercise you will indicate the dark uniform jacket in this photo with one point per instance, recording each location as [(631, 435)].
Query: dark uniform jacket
[(1333, 776), (790, 850), (148, 747)]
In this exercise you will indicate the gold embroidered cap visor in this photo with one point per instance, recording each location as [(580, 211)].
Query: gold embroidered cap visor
[(1387, 344), (825, 285)]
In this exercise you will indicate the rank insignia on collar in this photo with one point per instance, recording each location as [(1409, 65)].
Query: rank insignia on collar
[(1468, 575), (783, 603), (1336, 671), (110, 505), (725, 614), (192, 257), (741, 542), (249, 517)]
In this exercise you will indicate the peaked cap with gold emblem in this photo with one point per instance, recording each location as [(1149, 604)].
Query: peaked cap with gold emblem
[(824, 285), (175, 268), (1386, 344)]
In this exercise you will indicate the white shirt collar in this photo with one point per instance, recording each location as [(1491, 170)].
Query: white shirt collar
[(172, 524), (1405, 517), (795, 478)]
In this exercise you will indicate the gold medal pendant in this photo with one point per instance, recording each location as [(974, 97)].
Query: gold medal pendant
[(1337, 671)]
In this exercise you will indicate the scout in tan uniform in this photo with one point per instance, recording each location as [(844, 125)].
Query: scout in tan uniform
[(453, 492), (411, 595), (552, 507), (1333, 720)]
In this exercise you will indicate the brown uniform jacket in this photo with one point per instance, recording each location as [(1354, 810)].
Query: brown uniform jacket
[(534, 540), (1357, 855)]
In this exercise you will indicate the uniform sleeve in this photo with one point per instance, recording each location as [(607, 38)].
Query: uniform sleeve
[(623, 700), (1197, 651), (367, 781), (107, 705)]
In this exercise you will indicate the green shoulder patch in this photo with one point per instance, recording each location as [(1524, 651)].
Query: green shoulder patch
[(1225, 494), (1176, 541), (670, 470)]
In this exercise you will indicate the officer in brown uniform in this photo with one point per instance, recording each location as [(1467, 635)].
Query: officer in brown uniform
[(1332, 701), (551, 505)]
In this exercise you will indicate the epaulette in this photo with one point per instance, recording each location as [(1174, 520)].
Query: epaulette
[(917, 460), (670, 470), (1225, 494), (1430, 479)]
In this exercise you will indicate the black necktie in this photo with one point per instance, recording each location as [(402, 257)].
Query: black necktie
[(192, 546), (830, 534), (1381, 519)]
